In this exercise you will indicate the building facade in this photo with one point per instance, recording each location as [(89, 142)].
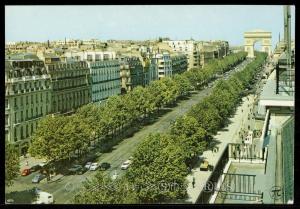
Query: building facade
[(190, 49), (132, 72), (162, 64), (105, 79), (179, 63), (71, 86), (104, 71), (27, 98)]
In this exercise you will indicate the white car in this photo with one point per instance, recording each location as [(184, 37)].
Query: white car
[(126, 164), (88, 165), (94, 166)]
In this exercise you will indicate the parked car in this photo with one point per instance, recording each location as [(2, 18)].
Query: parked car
[(43, 198), (35, 168), (126, 164), (204, 165), (104, 166), (37, 178), (94, 166), (77, 169), (25, 172), (88, 165)]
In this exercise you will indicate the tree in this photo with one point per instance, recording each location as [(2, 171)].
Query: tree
[(158, 170), (12, 163), (183, 83), (50, 141), (103, 190)]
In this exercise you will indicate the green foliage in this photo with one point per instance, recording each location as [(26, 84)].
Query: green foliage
[(12, 163), (158, 170), (103, 190)]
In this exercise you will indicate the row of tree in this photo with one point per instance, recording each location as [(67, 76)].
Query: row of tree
[(166, 158), (57, 138), (161, 161)]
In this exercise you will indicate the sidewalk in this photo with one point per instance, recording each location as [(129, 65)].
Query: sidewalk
[(224, 137), (29, 161)]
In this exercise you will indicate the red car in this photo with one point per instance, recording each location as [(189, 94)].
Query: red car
[(25, 172)]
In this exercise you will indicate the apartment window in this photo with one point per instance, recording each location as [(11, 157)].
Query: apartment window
[(15, 134), (26, 100), (6, 103), (97, 57), (26, 114), (22, 136), (6, 119), (27, 131), (37, 98), (21, 116), (89, 57), (36, 111), (31, 99), (41, 97), (41, 110), (21, 101)]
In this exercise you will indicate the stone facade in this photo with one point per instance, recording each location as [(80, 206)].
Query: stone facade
[(132, 73), (27, 98), (105, 79), (71, 86), (179, 64), (104, 72)]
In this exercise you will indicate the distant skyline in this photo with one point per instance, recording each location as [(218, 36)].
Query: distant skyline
[(178, 22)]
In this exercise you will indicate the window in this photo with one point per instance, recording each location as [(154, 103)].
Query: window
[(27, 131), (26, 114), (22, 136), (89, 57), (6, 119), (15, 134), (31, 99), (21, 101), (6, 103), (26, 100), (21, 116), (41, 110)]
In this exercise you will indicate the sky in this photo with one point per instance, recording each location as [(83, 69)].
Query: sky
[(178, 22)]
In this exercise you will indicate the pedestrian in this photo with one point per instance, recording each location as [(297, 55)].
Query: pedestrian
[(194, 181), (27, 162)]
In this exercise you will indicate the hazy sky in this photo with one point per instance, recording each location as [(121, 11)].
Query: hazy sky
[(201, 22)]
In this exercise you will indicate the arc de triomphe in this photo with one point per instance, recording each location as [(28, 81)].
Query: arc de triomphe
[(251, 37)]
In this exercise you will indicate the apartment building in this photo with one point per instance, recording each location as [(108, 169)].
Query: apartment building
[(189, 48), (70, 84), (104, 71), (132, 72), (179, 63), (27, 98), (162, 64)]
